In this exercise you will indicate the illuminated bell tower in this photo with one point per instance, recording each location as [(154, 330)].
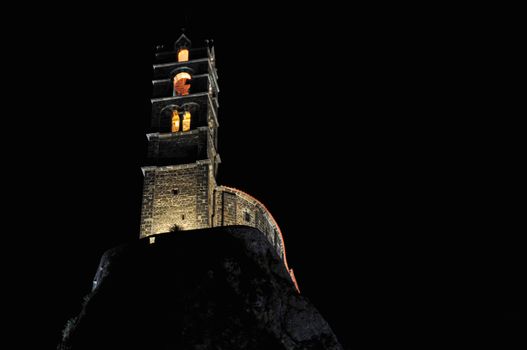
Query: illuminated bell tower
[(182, 157), (179, 188)]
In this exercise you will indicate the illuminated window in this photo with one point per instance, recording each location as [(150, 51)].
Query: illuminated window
[(180, 84), (182, 55), (186, 121), (175, 121)]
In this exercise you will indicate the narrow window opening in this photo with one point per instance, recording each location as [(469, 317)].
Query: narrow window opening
[(186, 121), (175, 121)]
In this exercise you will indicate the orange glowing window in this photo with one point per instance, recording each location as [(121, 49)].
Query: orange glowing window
[(175, 121), (180, 84), (182, 55), (186, 121)]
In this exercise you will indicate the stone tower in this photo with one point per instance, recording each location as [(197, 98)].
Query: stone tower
[(180, 190), (182, 157)]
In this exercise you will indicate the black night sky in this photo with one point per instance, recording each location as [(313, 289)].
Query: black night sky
[(372, 140)]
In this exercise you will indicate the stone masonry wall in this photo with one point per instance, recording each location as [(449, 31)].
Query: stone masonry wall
[(179, 148), (225, 208), (148, 201), (234, 207), (175, 195)]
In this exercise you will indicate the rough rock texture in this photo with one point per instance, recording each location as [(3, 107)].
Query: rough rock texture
[(219, 288)]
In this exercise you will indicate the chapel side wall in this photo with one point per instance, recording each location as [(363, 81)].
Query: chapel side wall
[(234, 207), (175, 196)]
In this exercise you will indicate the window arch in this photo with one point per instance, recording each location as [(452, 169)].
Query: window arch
[(175, 121), (165, 118), (181, 88), (192, 107)]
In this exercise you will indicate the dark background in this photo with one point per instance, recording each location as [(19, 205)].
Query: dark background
[(385, 144)]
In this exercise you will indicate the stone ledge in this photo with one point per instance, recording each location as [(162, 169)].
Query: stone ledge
[(176, 167), (169, 135)]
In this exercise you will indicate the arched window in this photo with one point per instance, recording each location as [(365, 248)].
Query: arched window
[(182, 55), (175, 121), (180, 84), (186, 121)]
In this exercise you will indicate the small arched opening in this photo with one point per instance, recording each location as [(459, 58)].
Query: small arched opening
[(181, 80), (183, 55), (181, 86), (167, 120)]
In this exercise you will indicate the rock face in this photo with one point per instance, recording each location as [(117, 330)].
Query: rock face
[(219, 288)]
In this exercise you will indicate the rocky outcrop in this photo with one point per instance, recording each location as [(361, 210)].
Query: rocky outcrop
[(218, 288)]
